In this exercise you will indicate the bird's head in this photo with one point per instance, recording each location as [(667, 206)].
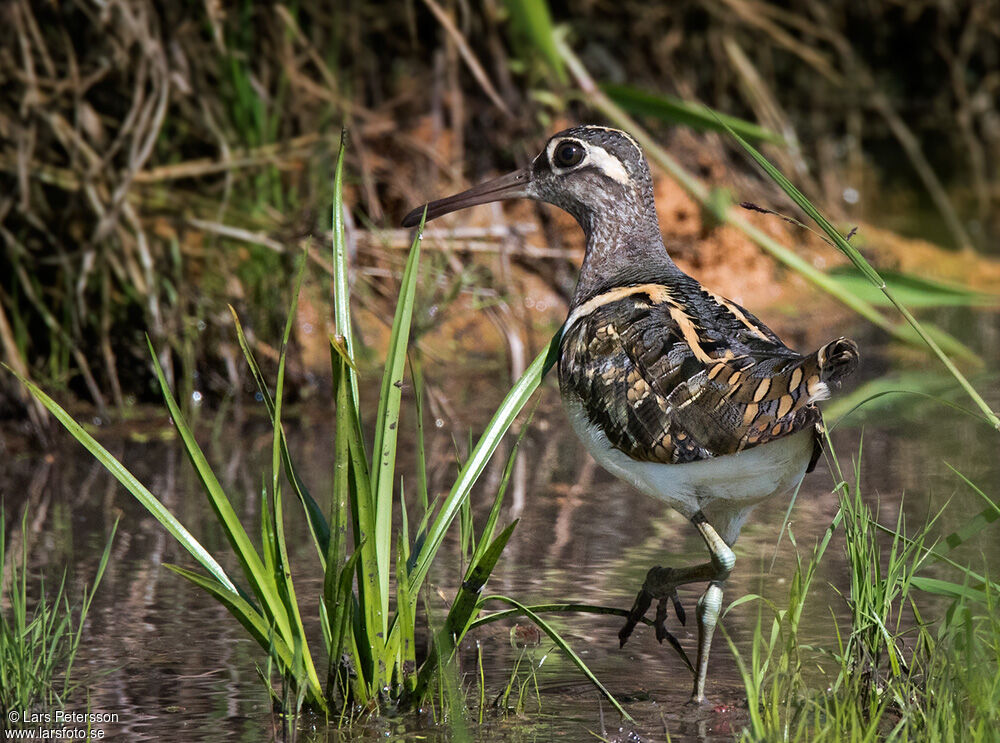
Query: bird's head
[(592, 172)]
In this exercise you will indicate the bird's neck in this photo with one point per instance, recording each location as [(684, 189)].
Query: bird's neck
[(622, 250)]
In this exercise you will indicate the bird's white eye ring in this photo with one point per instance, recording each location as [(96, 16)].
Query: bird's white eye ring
[(568, 154)]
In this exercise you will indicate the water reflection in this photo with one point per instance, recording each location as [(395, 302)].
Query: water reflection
[(173, 664)]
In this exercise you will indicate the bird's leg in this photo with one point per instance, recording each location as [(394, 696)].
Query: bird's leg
[(709, 606), (710, 603), (662, 584)]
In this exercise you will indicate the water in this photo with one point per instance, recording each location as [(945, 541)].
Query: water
[(172, 664)]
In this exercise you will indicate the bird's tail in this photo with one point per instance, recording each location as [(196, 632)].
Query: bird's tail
[(837, 359), (834, 361)]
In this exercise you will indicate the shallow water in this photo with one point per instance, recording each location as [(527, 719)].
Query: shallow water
[(171, 664)]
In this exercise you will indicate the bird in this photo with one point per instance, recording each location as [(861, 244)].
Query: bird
[(678, 391)]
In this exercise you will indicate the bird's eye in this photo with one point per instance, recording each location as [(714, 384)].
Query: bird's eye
[(567, 155)]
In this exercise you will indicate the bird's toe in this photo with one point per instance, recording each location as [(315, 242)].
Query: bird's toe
[(642, 601), (660, 585)]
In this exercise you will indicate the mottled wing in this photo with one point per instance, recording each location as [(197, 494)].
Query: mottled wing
[(676, 378)]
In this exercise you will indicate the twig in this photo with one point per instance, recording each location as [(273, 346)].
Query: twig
[(470, 59), (237, 233), (273, 154), (465, 240)]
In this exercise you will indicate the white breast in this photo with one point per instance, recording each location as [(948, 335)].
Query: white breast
[(725, 488)]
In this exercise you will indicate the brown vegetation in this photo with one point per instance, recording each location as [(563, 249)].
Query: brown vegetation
[(160, 160)]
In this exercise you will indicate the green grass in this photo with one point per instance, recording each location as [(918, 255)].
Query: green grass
[(38, 646), (673, 110), (894, 672), (911, 657)]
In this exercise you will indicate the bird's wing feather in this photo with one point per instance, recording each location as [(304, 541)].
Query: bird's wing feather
[(676, 377)]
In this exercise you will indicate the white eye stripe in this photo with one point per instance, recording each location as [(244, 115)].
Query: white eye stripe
[(595, 156), (607, 163)]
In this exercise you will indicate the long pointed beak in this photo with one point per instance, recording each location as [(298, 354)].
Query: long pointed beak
[(511, 186)]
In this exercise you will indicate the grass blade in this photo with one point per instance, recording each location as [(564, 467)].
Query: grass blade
[(318, 526), (243, 611), (259, 579), (341, 269), (88, 599), (512, 404), (678, 111), (337, 545), (387, 422), (532, 20), (882, 397), (340, 618), (463, 610), (978, 522), (913, 290), (949, 589), (405, 624), (283, 574), (867, 270), (128, 480), (369, 622), (486, 536), (268, 546), (556, 609)]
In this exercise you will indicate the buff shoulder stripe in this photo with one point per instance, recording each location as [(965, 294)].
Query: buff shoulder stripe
[(738, 313), (690, 334), (657, 293)]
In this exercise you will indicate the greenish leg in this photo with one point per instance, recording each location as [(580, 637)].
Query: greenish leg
[(709, 606), (710, 603)]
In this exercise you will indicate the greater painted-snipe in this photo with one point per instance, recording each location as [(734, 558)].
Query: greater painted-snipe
[(676, 390)]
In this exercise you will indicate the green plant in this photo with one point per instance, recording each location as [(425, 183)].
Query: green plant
[(369, 639), (872, 658), (773, 677), (678, 111), (880, 684), (884, 671), (522, 682), (36, 652)]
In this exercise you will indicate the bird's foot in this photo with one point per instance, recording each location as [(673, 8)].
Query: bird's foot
[(660, 584), (697, 702)]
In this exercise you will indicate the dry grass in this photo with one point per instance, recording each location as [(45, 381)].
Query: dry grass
[(159, 161)]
